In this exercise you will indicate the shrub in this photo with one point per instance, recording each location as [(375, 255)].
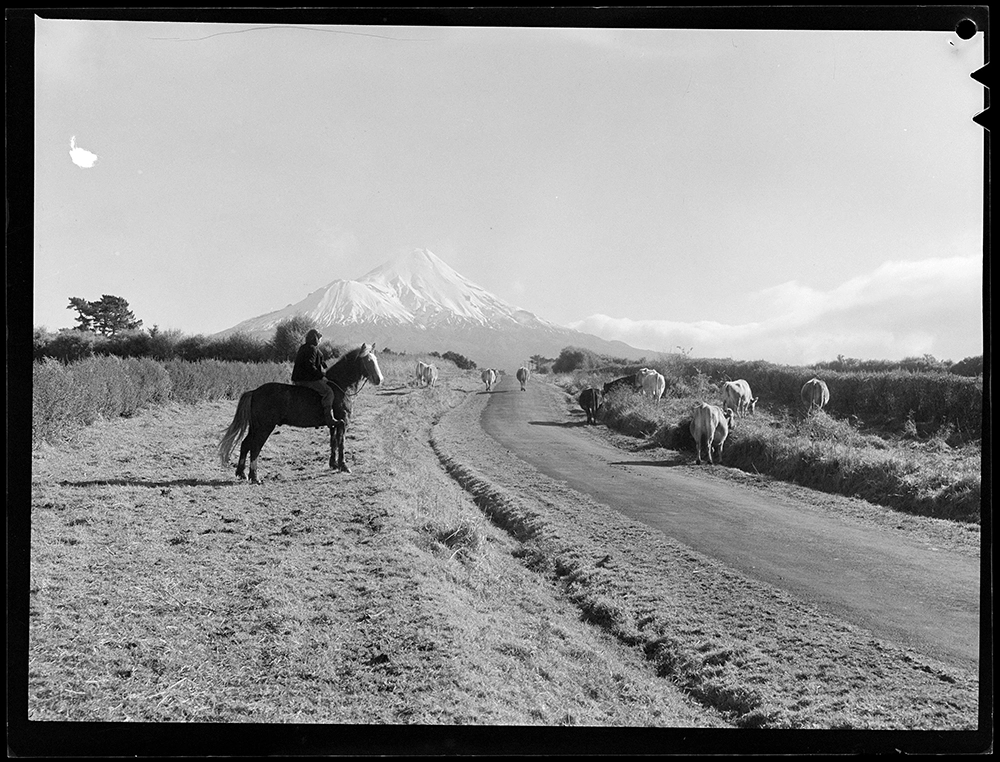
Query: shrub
[(970, 366), (71, 345), (461, 361), (289, 335), (132, 343), (40, 338), (66, 397), (163, 344), (575, 358)]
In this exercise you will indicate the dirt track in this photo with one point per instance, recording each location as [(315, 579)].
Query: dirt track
[(908, 587)]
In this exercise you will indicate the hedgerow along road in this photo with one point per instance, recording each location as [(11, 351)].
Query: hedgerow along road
[(897, 586)]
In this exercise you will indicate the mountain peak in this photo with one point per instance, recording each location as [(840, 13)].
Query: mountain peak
[(409, 265), (415, 288), (415, 301)]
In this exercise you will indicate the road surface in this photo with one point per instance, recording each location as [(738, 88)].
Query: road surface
[(898, 586)]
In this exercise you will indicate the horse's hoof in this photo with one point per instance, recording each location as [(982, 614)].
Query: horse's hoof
[(344, 469)]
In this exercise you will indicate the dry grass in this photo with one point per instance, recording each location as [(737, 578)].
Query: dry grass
[(930, 476), (162, 590)]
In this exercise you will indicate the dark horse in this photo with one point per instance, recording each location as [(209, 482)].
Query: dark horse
[(275, 404)]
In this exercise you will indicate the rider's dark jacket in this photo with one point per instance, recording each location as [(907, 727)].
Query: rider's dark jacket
[(308, 364)]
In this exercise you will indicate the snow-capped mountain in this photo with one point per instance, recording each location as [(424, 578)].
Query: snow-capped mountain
[(415, 302)]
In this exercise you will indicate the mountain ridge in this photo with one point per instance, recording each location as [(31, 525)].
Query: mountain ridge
[(415, 302)]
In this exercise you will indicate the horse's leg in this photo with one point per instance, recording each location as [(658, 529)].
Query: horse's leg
[(244, 449), (337, 440), (333, 445), (260, 437)]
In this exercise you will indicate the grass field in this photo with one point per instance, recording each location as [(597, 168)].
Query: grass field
[(930, 476)]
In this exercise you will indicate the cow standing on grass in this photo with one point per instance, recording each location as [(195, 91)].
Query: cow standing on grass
[(428, 373), (626, 382), (815, 394), (737, 396), (710, 425), (421, 372), (652, 383)]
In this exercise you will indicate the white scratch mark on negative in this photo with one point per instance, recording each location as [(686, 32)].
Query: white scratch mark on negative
[(80, 156)]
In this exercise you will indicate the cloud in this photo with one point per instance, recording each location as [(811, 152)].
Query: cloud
[(900, 309), (80, 156)]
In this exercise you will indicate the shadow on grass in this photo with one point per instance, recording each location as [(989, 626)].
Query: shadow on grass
[(146, 483)]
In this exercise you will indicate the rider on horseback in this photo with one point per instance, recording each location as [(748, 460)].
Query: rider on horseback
[(308, 371)]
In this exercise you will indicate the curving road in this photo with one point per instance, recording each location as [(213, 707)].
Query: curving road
[(896, 586)]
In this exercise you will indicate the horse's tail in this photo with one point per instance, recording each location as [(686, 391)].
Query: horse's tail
[(241, 422)]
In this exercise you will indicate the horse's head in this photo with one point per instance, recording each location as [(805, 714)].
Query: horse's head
[(368, 361)]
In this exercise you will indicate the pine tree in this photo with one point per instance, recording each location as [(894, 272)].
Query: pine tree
[(107, 316)]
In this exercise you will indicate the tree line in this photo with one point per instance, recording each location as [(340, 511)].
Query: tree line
[(107, 327)]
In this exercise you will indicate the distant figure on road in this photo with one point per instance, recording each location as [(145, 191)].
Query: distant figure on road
[(590, 400), (308, 371), (522, 376)]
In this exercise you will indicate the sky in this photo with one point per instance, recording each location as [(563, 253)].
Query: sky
[(789, 196)]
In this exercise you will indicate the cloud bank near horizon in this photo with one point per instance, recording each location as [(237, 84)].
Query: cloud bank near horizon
[(900, 309)]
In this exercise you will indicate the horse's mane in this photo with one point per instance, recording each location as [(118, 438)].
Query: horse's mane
[(345, 366)]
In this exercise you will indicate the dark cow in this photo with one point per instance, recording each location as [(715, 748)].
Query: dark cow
[(626, 382), (590, 400)]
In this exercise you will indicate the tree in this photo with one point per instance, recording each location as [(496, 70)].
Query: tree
[(107, 316), (289, 336), (575, 358), (461, 361), (970, 366)]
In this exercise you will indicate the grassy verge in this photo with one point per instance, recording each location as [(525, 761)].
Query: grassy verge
[(923, 476)]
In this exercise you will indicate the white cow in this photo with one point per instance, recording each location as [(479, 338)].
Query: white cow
[(737, 395), (489, 378), (710, 425), (522, 375), (815, 394), (652, 383), (430, 374), (421, 372)]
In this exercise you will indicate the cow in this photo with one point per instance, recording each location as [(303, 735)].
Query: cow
[(653, 384), (590, 400), (489, 378), (626, 382), (815, 394), (710, 425), (421, 372), (522, 376), (431, 374), (737, 395)]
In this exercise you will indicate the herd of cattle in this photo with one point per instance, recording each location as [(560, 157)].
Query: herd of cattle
[(427, 374), (710, 424)]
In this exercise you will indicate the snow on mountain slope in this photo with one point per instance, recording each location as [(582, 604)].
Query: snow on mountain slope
[(416, 303), (413, 289)]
